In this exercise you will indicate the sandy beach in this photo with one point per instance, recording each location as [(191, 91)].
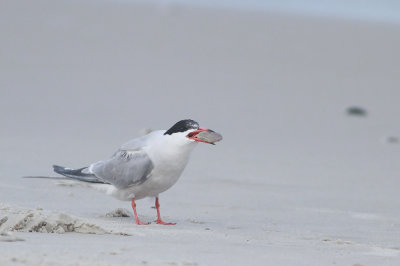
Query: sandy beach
[(297, 180)]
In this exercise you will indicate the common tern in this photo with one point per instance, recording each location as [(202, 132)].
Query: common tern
[(146, 166)]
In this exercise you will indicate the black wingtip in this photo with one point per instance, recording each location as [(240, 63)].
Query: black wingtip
[(58, 169)]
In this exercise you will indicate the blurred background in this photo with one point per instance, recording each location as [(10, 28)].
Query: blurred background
[(305, 94)]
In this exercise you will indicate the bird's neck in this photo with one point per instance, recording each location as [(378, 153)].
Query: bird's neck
[(171, 152)]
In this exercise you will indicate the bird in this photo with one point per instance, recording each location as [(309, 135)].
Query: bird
[(145, 166)]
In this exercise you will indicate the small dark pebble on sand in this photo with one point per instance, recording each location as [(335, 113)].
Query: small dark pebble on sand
[(356, 111)]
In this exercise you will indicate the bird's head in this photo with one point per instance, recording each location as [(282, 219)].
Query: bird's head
[(189, 131)]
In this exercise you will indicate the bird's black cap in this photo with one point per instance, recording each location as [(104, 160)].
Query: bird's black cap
[(182, 126)]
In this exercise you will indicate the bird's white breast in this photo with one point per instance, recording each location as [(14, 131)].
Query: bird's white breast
[(169, 156)]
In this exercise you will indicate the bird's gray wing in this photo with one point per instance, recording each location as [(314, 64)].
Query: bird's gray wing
[(125, 168)]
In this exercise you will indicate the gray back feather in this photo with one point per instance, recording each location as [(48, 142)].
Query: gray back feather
[(125, 168)]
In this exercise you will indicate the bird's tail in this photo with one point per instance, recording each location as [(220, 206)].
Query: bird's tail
[(78, 174)]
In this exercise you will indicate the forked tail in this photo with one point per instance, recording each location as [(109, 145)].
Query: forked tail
[(78, 174)]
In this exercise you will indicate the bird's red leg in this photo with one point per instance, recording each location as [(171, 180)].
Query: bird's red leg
[(159, 220), (136, 216)]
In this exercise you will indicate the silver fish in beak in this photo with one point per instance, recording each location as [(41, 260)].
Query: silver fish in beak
[(205, 135)]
